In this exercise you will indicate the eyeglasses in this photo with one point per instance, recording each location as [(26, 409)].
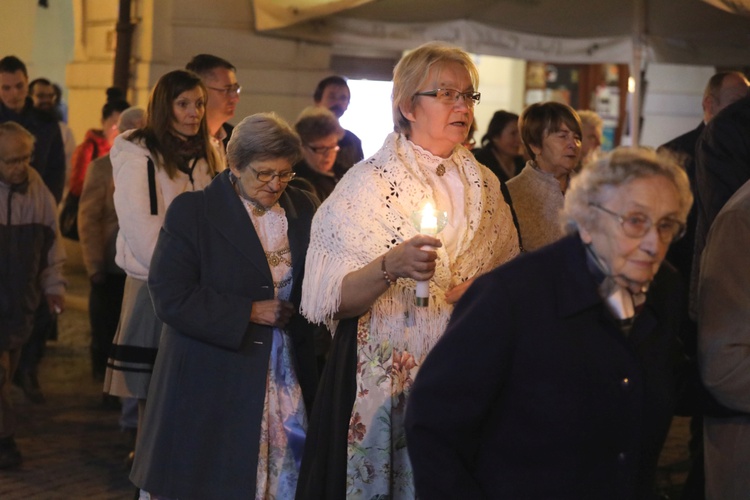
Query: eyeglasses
[(450, 96), (18, 160), (637, 225), (323, 150), (267, 176), (228, 91)]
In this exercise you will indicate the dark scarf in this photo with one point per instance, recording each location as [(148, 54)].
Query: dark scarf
[(189, 149)]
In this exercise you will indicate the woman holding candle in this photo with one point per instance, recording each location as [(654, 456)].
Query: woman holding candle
[(366, 253)]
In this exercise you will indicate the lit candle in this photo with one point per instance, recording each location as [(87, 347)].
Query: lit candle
[(429, 221), (428, 225)]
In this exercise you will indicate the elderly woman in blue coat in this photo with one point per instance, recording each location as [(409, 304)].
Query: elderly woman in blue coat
[(557, 375), (235, 371)]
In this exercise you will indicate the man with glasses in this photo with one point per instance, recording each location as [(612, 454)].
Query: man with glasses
[(320, 132), (333, 93), (220, 78), (31, 274)]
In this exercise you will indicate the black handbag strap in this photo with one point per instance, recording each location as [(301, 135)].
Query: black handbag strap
[(509, 201), (152, 186)]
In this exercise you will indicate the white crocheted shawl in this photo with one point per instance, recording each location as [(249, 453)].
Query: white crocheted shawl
[(371, 210)]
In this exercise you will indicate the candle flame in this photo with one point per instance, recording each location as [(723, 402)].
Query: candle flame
[(428, 224)]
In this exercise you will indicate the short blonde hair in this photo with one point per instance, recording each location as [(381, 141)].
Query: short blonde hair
[(590, 118), (620, 167), (414, 68)]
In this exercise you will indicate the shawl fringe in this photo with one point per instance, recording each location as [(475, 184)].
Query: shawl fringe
[(370, 211)]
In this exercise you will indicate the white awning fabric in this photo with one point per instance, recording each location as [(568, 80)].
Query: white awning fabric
[(675, 31)]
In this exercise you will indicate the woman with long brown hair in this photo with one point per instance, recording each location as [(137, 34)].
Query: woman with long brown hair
[(172, 154)]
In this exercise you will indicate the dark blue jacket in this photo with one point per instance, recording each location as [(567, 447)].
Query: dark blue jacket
[(49, 152), (534, 392), (201, 429)]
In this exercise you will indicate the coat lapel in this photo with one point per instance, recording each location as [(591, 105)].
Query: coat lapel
[(226, 213), (576, 290), (295, 234)]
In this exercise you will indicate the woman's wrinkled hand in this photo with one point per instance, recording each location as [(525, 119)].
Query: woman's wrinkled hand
[(275, 312), (454, 294), (409, 260)]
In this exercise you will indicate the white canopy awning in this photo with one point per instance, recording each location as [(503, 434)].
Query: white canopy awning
[(564, 31), (676, 31)]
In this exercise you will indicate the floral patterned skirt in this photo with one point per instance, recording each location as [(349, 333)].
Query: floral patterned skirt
[(283, 428), (378, 462)]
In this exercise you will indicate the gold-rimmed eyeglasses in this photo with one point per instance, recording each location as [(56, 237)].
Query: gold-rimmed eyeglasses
[(266, 176), (637, 225)]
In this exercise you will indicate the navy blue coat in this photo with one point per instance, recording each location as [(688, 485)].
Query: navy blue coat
[(535, 393), (49, 151), (201, 429)]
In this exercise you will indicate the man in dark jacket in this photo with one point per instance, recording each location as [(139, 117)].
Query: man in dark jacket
[(16, 106), (32, 260)]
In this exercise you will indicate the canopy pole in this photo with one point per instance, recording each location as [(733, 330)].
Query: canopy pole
[(639, 33)]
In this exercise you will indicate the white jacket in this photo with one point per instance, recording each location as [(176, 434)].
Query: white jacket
[(139, 229)]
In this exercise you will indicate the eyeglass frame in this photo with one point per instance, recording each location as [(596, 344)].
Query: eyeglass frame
[(27, 159), (323, 150), (291, 173), (228, 91), (471, 98), (622, 219)]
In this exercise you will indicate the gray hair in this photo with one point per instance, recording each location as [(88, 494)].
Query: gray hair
[(262, 136), (12, 129), (620, 167), (133, 117)]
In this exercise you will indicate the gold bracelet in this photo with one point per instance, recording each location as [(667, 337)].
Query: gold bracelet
[(387, 279)]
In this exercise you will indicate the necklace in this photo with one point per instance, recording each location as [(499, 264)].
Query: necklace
[(258, 210), (282, 283), (277, 257)]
